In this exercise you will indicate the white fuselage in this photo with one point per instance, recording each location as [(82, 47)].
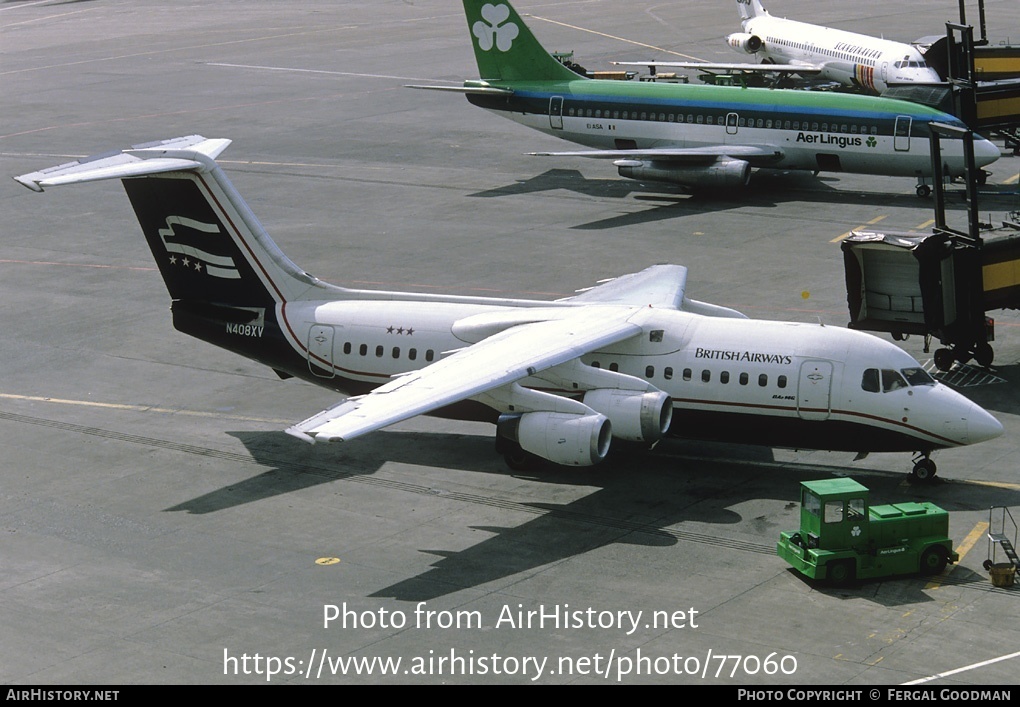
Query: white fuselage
[(849, 58), (783, 384)]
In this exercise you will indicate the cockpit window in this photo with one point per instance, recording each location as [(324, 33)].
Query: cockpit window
[(870, 381), (892, 380), (917, 376)]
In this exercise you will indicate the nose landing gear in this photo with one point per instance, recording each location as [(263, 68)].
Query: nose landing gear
[(924, 468)]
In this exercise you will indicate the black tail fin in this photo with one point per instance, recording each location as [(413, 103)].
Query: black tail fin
[(208, 245)]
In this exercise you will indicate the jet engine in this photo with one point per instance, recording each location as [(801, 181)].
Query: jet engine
[(635, 416), (742, 41), (721, 174), (562, 438)]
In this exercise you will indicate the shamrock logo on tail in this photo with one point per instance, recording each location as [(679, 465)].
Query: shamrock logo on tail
[(492, 32)]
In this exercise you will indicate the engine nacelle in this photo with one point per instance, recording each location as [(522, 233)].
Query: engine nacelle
[(742, 41), (562, 438), (721, 174), (636, 416)]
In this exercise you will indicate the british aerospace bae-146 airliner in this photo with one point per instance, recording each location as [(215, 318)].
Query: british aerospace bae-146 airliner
[(698, 135), (631, 359), (784, 46)]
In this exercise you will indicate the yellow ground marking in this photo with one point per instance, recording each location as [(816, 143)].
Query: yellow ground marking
[(872, 222), (324, 561)]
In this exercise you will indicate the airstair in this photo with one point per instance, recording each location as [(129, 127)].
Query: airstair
[(1000, 521)]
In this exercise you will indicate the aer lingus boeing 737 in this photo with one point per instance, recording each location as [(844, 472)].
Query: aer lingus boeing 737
[(698, 135), (871, 64), (630, 359)]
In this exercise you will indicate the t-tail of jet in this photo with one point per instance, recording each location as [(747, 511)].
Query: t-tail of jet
[(750, 8), (228, 280), (505, 48)]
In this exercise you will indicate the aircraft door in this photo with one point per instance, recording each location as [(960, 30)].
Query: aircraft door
[(901, 134), (556, 112), (731, 123), (814, 390), (320, 351)]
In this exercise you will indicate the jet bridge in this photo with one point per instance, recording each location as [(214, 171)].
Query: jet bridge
[(939, 285), (982, 80)]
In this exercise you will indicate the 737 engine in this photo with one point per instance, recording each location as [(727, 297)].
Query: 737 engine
[(721, 174)]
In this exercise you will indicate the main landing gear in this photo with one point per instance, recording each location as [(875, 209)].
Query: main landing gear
[(924, 468)]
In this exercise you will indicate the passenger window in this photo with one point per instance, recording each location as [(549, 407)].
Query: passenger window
[(781, 381), (869, 381), (743, 379), (379, 351), (706, 376), (363, 349), (429, 354), (687, 374), (347, 347), (614, 367), (724, 377), (649, 371), (396, 352), (667, 373), (763, 380), (596, 364), (412, 354)]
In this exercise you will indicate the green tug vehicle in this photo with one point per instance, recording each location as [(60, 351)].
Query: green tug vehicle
[(843, 538)]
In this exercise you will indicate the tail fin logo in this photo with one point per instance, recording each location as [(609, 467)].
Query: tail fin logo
[(174, 238), (491, 31)]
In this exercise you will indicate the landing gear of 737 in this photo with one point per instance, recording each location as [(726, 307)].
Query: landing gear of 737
[(924, 469)]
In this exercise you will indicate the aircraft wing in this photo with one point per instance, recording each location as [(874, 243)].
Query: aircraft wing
[(659, 286), (499, 360), (757, 155), (795, 68)]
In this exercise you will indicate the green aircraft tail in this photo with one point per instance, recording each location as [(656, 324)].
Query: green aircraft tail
[(505, 48)]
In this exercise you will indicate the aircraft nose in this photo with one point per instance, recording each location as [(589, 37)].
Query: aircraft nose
[(981, 426), (985, 152)]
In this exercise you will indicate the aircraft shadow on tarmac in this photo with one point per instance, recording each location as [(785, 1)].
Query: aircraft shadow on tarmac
[(768, 189), (644, 499)]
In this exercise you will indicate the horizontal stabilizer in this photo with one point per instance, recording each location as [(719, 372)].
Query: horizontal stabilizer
[(466, 89), (193, 152)]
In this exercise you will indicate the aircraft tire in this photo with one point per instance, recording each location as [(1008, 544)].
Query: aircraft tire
[(924, 471)]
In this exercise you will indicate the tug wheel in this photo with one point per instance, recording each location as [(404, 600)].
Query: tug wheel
[(934, 560)]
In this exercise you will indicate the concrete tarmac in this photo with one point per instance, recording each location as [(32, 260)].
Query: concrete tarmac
[(158, 527)]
